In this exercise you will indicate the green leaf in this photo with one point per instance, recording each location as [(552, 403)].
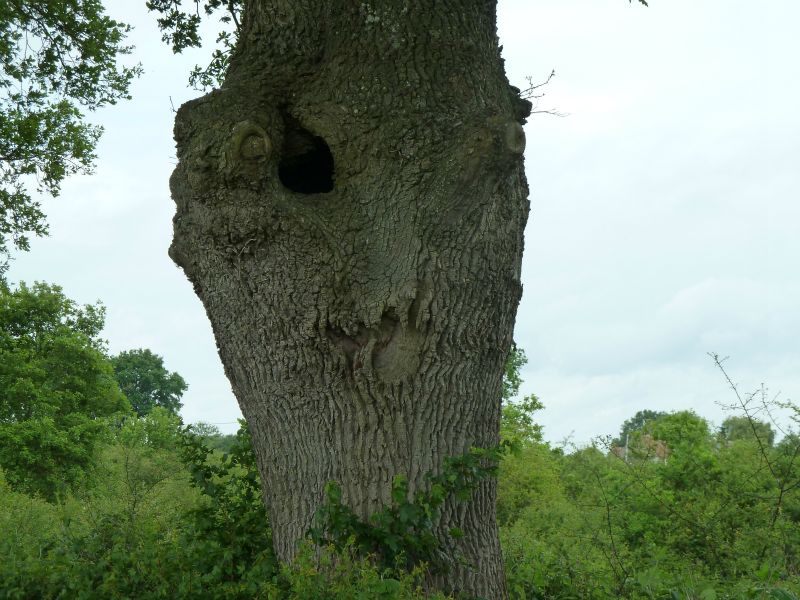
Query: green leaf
[(437, 493), (407, 513), (399, 489), (333, 492), (764, 572)]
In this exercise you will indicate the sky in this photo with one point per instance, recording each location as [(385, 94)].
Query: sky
[(665, 211)]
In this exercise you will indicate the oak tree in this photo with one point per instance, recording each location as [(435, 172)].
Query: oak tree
[(350, 210), (146, 382)]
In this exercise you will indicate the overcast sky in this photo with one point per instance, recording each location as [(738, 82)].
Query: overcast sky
[(665, 217)]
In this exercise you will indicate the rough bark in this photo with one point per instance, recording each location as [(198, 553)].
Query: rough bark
[(350, 210)]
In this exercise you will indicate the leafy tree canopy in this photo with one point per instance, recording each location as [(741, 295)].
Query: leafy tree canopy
[(56, 385), (213, 438), (146, 383), (511, 375), (517, 424), (182, 30), (206, 430), (637, 423), (58, 58), (680, 428), (742, 428)]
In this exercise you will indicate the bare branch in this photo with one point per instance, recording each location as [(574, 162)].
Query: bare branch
[(530, 94)]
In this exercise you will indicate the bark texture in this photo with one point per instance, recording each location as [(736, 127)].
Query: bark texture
[(350, 210)]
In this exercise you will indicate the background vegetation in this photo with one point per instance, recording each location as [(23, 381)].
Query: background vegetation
[(105, 494)]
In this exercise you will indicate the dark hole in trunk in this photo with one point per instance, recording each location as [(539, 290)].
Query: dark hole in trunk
[(306, 161)]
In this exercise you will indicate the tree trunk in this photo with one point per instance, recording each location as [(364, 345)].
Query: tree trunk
[(350, 210)]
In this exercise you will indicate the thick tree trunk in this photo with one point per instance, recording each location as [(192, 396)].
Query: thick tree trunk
[(350, 210)]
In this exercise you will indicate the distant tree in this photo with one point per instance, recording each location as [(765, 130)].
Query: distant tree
[(205, 430), (212, 437), (681, 428), (146, 383), (686, 439), (57, 59), (743, 428), (56, 386), (637, 423)]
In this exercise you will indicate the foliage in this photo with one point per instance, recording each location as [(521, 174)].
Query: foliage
[(403, 535), (681, 428), (181, 30), (517, 424), (56, 388), (343, 575), (703, 520), (117, 537), (636, 424), (57, 59), (213, 438), (142, 529), (138, 471), (205, 430), (146, 383), (527, 471), (54, 551), (742, 428), (527, 476), (701, 524), (227, 536), (512, 378)]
